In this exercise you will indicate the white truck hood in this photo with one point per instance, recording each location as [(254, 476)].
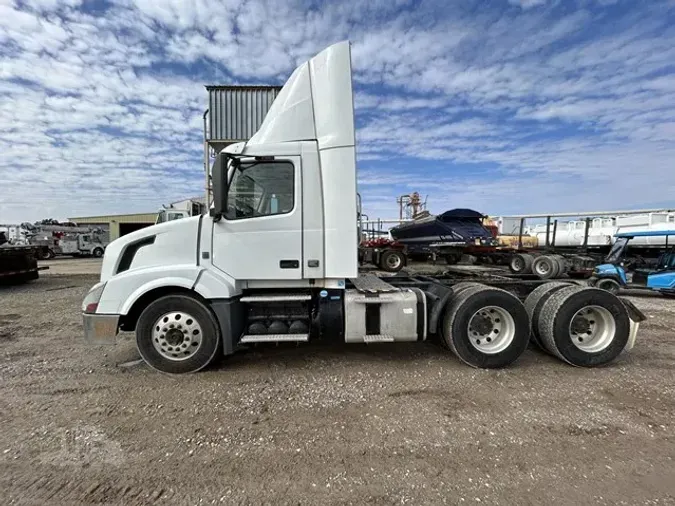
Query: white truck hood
[(173, 243)]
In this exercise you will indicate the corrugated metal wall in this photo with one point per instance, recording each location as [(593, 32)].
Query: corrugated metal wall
[(236, 112)]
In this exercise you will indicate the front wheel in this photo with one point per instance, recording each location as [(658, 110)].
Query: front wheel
[(177, 334), (98, 252)]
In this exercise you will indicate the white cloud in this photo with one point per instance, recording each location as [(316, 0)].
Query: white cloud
[(507, 110), (528, 4)]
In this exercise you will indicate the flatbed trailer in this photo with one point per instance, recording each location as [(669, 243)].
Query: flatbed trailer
[(550, 260)]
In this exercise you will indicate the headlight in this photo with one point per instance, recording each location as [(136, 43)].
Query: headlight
[(90, 302)]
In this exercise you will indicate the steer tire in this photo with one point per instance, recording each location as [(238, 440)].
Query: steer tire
[(461, 310), (556, 325), (545, 267), (535, 301), (521, 263), (208, 348)]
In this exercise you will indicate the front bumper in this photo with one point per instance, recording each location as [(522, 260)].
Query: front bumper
[(100, 328)]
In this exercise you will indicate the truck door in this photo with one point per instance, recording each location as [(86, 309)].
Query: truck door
[(260, 235)]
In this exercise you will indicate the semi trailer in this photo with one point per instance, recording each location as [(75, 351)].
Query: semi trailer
[(276, 260), (549, 253)]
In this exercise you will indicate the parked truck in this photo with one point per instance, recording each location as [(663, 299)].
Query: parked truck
[(182, 209), (276, 261), (65, 239), (18, 262)]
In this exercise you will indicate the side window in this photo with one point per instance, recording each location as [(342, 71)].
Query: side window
[(261, 189)]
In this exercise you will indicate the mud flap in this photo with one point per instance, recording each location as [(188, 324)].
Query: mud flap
[(636, 317)]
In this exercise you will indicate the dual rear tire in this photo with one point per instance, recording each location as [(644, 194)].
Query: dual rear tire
[(485, 327), (544, 267), (585, 327), (521, 263)]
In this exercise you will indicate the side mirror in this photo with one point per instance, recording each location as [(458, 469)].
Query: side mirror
[(219, 187)]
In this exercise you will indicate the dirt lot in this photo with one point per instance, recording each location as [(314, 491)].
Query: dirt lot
[(323, 424)]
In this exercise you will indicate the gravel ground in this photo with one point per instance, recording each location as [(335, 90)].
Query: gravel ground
[(323, 424)]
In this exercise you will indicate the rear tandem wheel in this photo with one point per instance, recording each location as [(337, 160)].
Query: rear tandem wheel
[(486, 327)]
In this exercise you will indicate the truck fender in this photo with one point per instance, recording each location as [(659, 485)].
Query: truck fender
[(212, 284), (176, 281)]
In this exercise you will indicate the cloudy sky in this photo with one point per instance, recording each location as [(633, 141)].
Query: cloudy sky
[(505, 106)]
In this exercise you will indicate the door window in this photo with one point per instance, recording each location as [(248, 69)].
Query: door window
[(261, 189)]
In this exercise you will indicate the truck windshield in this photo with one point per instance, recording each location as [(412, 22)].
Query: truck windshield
[(617, 251)]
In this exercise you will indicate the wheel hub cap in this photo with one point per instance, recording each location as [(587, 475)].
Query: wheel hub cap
[(177, 336), (592, 329), (174, 337), (491, 329)]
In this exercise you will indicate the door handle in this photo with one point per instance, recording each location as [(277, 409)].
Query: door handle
[(289, 264)]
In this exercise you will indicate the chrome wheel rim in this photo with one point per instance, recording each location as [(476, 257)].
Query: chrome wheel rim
[(393, 261), (491, 330), (177, 336), (592, 329), (518, 264)]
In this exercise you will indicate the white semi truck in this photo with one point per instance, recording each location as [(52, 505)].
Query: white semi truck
[(276, 261)]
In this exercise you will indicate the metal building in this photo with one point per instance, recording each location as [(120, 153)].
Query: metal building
[(118, 225), (235, 113)]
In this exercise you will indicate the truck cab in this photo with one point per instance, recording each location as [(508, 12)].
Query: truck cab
[(179, 210), (611, 275), (276, 259)]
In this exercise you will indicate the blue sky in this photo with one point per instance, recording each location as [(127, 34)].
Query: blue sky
[(505, 106)]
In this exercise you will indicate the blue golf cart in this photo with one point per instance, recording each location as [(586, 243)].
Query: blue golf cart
[(611, 275)]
